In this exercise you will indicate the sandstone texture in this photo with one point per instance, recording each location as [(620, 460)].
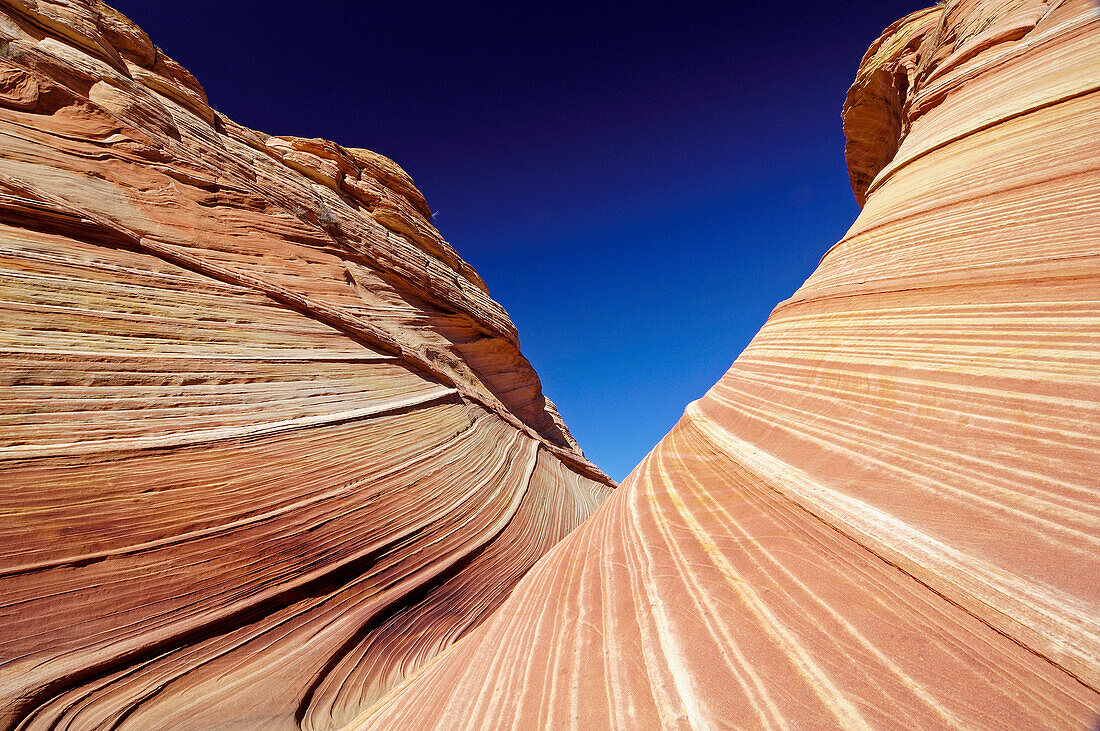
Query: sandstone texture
[(266, 442), (886, 513)]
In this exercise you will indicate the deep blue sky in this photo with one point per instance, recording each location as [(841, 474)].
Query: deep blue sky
[(639, 183)]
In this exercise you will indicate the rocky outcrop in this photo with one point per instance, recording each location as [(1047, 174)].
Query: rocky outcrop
[(267, 443), (886, 512)]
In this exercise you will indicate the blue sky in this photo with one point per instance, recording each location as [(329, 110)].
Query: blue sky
[(638, 183)]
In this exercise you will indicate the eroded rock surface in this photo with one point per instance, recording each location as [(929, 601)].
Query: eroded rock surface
[(886, 513), (266, 442)]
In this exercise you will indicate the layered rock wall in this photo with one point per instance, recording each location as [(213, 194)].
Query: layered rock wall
[(886, 513), (266, 442)]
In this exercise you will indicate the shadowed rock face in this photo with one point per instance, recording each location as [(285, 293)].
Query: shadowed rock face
[(885, 514), (266, 442)]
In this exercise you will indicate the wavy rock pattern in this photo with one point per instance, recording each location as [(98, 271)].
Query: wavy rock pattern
[(266, 442), (886, 512)]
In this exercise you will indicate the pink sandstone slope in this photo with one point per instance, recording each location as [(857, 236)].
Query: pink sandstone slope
[(886, 513), (266, 442)]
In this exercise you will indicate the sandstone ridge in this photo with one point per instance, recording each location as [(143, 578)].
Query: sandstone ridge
[(268, 444), (885, 514)]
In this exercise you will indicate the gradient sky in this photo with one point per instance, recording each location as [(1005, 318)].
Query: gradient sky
[(638, 183)]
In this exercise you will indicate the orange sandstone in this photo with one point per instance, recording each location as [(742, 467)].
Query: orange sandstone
[(886, 513), (266, 442), (271, 456)]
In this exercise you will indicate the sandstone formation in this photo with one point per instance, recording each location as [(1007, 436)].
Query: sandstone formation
[(269, 448), (886, 513), (266, 442)]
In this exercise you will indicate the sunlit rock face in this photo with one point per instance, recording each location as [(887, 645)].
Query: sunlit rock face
[(886, 513), (266, 442)]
